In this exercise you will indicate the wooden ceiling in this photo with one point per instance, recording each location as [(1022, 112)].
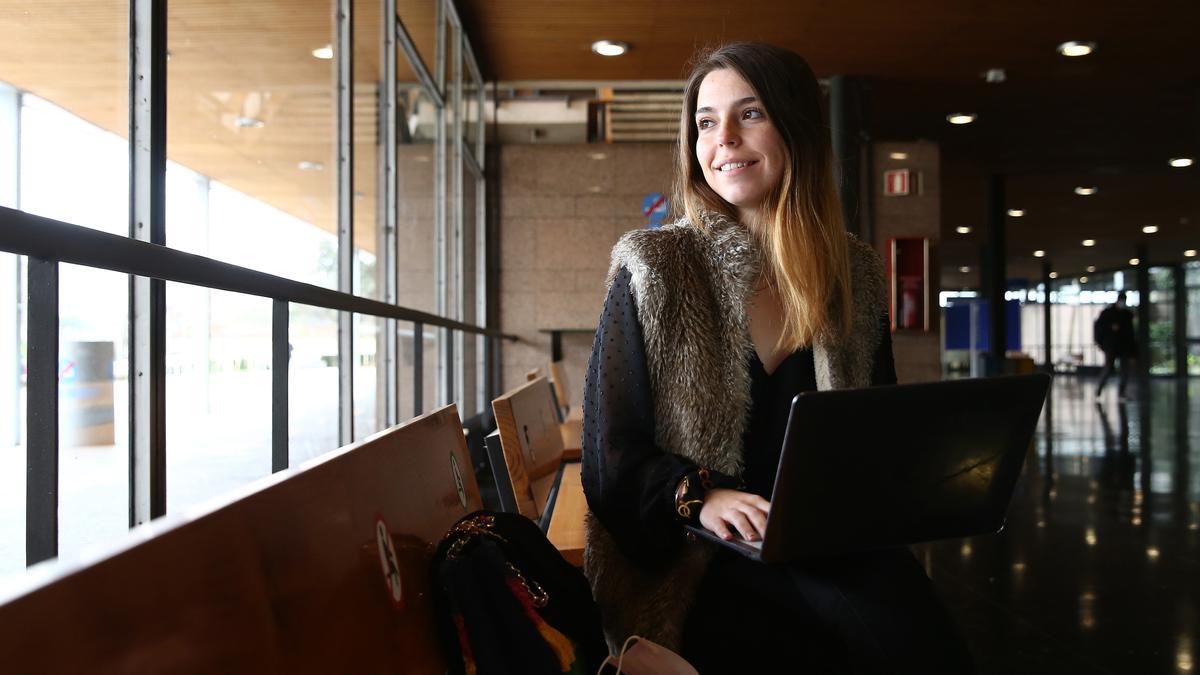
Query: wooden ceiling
[(228, 60), (1111, 119)]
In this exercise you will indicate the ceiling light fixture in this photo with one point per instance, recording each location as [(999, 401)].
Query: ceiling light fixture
[(1190, 253), (598, 156), (1180, 162), (962, 229), (1091, 268), (1039, 253), (324, 53), (1150, 229), (1088, 242), (1135, 261), (1076, 48), (610, 47), (310, 166), (1086, 191), (899, 155), (994, 75), (961, 118), (1016, 213), (964, 269), (1054, 275), (1083, 280)]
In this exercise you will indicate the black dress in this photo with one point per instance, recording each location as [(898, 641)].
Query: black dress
[(868, 613)]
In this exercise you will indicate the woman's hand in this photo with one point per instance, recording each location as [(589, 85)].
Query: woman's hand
[(726, 510)]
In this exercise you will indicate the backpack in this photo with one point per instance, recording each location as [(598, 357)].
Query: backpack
[(508, 603)]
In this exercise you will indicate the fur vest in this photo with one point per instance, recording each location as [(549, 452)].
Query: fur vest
[(691, 286)]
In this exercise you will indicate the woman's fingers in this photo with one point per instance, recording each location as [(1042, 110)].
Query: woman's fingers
[(742, 524), (728, 510)]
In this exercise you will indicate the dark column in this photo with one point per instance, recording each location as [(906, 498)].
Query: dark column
[(1181, 345), (993, 279), (845, 121), (1143, 324), (1047, 333)]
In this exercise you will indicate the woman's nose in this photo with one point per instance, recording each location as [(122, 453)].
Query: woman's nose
[(728, 136)]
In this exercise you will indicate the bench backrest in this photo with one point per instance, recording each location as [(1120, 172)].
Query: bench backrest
[(287, 576), (562, 392), (529, 435)]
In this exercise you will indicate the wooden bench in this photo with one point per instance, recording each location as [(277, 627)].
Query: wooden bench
[(286, 576), (570, 418), (543, 487)]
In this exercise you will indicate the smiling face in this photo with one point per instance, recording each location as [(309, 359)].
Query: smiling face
[(738, 147)]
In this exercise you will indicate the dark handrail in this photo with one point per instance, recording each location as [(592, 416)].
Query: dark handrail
[(26, 234)]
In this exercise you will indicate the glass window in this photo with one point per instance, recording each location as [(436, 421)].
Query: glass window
[(12, 414), (250, 107), (312, 383), (71, 69), (1162, 320), (218, 392), (93, 407), (419, 18), (97, 176)]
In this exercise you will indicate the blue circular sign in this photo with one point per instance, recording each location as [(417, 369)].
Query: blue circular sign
[(655, 207)]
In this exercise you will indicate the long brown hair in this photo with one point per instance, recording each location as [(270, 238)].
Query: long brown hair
[(803, 238)]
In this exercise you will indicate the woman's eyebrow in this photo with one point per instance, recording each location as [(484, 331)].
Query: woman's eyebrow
[(739, 102)]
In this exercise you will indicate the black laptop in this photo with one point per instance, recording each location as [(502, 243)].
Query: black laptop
[(873, 468)]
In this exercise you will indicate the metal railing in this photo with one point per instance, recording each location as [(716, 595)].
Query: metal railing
[(49, 243)]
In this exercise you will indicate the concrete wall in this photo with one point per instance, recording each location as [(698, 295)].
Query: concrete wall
[(562, 207), (918, 355)]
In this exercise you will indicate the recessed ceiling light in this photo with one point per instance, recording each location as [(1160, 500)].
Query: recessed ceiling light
[(1091, 268), (899, 155), (1134, 261), (1083, 280), (1089, 242), (1054, 275), (1190, 253), (249, 122), (964, 269), (994, 75), (1016, 213), (325, 53), (598, 155), (1150, 229), (1086, 191), (310, 166), (609, 47), (961, 118), (1180, 162), (962, 229), (1076, 48), (1039, 253)]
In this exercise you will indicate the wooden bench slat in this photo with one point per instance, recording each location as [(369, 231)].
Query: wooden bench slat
[(283, 577), (567, 522)]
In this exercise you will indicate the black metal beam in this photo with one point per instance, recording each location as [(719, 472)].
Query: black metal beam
[(281, 351), (35, 236), (418, 368), (845, 126), (997, 281), (1143, 327), (41, 472), (1047, 332)]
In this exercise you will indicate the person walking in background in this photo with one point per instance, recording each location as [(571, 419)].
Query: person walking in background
[(1113, 332)]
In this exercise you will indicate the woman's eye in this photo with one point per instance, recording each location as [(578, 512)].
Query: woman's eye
[(752, 114), (704, 123)]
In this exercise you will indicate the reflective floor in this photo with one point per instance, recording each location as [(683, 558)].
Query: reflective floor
[(1098, 570)]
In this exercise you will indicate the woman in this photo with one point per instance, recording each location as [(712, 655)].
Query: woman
[(710, 327)]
